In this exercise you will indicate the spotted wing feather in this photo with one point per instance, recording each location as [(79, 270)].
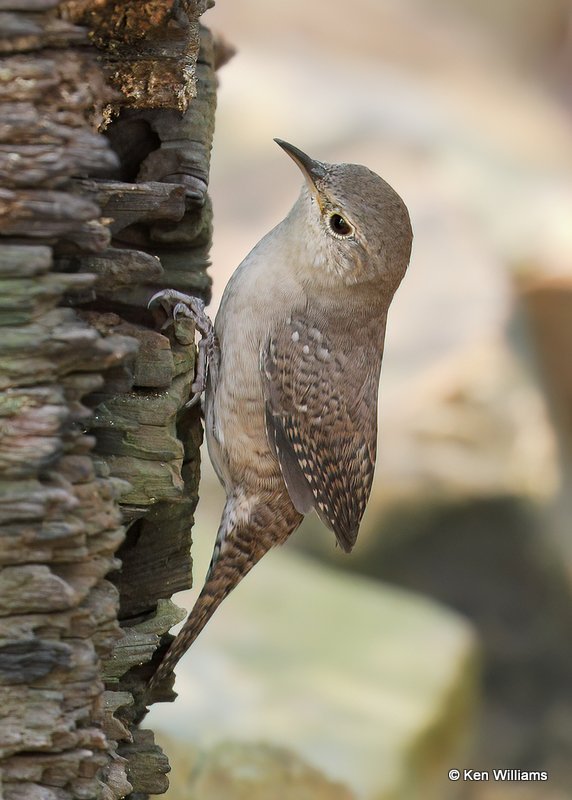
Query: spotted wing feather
[(321, 417)]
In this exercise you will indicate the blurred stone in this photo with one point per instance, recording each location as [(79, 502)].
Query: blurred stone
[(371, 685), (492, 560), (474, 425), (240, 771)]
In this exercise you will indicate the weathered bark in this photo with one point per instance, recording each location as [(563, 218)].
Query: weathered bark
[(106, 121)]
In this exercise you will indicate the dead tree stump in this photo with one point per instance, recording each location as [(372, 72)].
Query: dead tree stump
[(106, 121)]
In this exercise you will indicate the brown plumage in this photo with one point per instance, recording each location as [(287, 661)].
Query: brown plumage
[(321, 419), (293, 372)]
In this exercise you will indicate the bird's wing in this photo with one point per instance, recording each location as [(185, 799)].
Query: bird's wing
[(321, 420)]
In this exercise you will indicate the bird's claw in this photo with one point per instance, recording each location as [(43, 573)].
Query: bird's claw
[(176, 305)]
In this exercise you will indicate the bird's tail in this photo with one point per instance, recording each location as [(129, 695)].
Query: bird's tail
[(240, 544)]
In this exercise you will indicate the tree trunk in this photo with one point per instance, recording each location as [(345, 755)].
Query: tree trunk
[(106, 122)]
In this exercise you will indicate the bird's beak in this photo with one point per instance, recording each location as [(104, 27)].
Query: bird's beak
[(312, 170)]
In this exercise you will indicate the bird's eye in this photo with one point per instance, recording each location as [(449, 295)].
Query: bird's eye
[(340, 226)]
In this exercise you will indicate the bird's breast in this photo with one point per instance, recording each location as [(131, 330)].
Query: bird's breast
[(257, 299)]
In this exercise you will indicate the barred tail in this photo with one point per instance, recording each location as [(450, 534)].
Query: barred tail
[(240, 545), (223, 577)]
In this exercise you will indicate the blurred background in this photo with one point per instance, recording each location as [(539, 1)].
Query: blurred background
[(444, 641)]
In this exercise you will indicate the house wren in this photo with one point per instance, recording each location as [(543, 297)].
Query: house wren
[(293, 370)]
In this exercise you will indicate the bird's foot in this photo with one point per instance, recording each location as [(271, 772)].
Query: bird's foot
[(177, 305)]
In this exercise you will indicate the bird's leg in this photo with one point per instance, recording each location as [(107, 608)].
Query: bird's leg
[(176, 305)]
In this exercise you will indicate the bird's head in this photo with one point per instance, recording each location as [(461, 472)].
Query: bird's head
[(352, 224)]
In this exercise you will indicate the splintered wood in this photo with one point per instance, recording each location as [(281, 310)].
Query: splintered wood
[(106, 122)]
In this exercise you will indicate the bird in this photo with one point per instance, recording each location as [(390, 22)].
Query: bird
[(290, 372)]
